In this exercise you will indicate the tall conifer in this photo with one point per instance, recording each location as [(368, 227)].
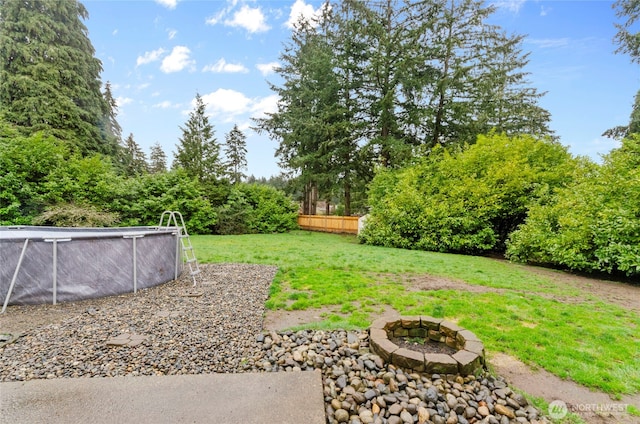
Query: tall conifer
[(49, 77), (198, 152)]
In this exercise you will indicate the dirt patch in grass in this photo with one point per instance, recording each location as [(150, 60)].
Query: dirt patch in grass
[(426, 282), (618, 293), (621, 294)]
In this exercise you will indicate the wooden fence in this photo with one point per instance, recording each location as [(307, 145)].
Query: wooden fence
[(329, 223)]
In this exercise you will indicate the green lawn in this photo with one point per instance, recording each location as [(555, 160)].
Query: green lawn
[(594, 343)]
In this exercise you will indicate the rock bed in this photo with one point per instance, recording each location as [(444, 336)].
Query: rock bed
[(217, 327), (360, 388)]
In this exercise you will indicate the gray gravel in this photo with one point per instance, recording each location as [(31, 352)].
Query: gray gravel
[(208, 329), (217, 327)]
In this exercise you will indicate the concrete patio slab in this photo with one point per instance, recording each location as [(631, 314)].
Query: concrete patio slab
[(293, 397)]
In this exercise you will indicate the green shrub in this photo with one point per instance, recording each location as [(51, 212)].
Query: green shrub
[(233, 215), (90, 180), (591, 225), (466, 200), (41, 181), (257, 208), (26, 163), (142, 200)]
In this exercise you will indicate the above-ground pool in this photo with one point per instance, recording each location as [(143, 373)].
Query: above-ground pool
[(49, 264)]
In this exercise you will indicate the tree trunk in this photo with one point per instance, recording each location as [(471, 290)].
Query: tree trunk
[(347, 199)]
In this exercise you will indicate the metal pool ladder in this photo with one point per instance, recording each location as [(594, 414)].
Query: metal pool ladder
[(188, 255)]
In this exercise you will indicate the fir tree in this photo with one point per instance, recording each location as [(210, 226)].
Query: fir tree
[(157, 159), (111, 125), (626, 38), (49, 77), (134, 159), (236, 153), (198, 152)]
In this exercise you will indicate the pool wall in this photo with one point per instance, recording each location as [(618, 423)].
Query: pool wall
[(85, 263)]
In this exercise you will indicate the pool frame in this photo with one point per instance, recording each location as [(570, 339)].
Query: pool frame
[(56, 264)]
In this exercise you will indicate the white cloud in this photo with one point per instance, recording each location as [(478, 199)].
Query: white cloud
[(143, 86), (177, 60), (226, 102), (213, 20), (163, 105), (114, 32), (544, 11), (547, 43), (302, 11), (169, 4), (121, 101), (511, 5), (229, 105), (149, 57), (251, 19), (221, 66), (244, 126), (172, 33), (267, 68), (264, 105)]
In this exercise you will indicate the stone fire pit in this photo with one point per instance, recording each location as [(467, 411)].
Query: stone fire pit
[(469, 350)]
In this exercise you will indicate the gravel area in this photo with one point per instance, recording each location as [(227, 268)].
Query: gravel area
[(210, 328), (217, 327)]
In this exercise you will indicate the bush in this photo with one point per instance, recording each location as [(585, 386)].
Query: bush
[(142, 200), (26, 163), (71, 215), (466, 200), (84, 180), (591, 225), (233, 215), (257, 208), (41, 181)]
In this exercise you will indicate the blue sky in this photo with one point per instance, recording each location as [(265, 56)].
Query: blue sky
[(158, 54)]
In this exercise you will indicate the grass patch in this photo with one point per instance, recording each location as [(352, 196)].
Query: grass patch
[(591, 342)]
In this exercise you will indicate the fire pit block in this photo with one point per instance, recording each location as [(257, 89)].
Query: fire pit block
[(381, 345), (468, 358), (410, 359), (440, 363)]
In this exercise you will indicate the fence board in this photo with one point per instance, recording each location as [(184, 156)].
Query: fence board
[(329, 223)]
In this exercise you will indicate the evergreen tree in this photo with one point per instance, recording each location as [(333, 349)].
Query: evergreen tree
[(157, 159), (473, 81), (198, 152), (134, 159), (501, 98), (628, 41), (351, 164), (111, 125), (236, 153), (49, 77), (380, 81), (307, 112), (386, 34)]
